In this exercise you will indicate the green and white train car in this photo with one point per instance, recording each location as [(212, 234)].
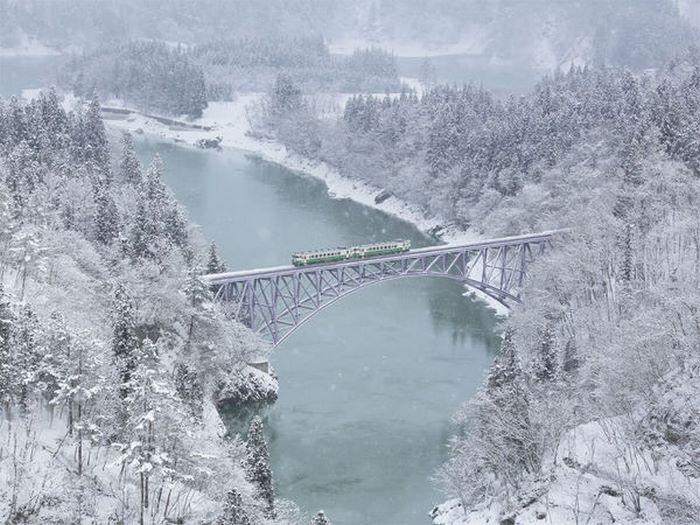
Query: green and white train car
[(351, 252)]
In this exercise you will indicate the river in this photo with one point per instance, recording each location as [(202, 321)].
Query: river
[(367, 388)]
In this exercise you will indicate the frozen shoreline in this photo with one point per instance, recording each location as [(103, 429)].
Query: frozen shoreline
[(229, 120)]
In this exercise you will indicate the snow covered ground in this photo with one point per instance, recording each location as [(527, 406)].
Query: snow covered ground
[(601, 475)]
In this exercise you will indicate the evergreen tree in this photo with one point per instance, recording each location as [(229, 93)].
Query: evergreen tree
[(154, 190), (571, 359), (55, 119), (175, 227), (189, 387), (22, 175), (129, 165), (57, 350), (233, 513), (286, 96), (106, 214), (4, 126), (78, 140), (124, 340), (95, 136), (144, 233), (153, 416), (197, 293), (78, 383), (7, 368), (626, 265), (214, 264), (257, 465), (547, 364), (505, 369), (320, 519), (17, 123), (25, 357)]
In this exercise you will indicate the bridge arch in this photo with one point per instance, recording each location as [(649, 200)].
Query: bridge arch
[(275, 302), (363, 286)]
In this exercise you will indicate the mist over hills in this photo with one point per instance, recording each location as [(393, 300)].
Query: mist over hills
[(540, 33)]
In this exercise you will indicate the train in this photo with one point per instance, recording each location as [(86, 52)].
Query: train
[(345, 253)]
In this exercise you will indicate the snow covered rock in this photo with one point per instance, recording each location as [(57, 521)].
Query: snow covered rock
[(248, 385)]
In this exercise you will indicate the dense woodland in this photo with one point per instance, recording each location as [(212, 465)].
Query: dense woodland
[(173, 80), (148, 75), (610, 330), (251, 64), (112, 358)]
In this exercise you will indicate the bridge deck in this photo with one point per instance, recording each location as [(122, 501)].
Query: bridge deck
[(222, 278)]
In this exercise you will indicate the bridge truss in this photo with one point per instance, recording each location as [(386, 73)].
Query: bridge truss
[(274, 302)]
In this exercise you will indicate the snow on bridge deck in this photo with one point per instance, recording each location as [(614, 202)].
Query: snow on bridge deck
[(222, 278)]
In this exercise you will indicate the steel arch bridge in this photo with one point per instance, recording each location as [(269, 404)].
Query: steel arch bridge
[(274, 302)]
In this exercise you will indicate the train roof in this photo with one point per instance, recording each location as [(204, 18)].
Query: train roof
[(320, 250), (306, 252)]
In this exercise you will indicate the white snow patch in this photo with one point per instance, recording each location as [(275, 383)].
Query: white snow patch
[(599, 477)]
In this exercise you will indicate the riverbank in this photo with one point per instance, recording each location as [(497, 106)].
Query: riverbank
[(229, 121)]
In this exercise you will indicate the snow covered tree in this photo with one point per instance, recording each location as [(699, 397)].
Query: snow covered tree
[(189, 387), (320, 519), (626, 264), (55, 120), (79, 383), (16, 123), (25, 358), (143, 234), (234, 513), (154, 188), (257, 465), (153, 414), (4, 126), (505, 369), (129, 165), (286, 96), (571, 360), (106, 213), (7, 368), (96, 147), (124, 340), (175, 227), (56, 350), (214, 263), (22, 175), (547, 357), (198, 294)]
